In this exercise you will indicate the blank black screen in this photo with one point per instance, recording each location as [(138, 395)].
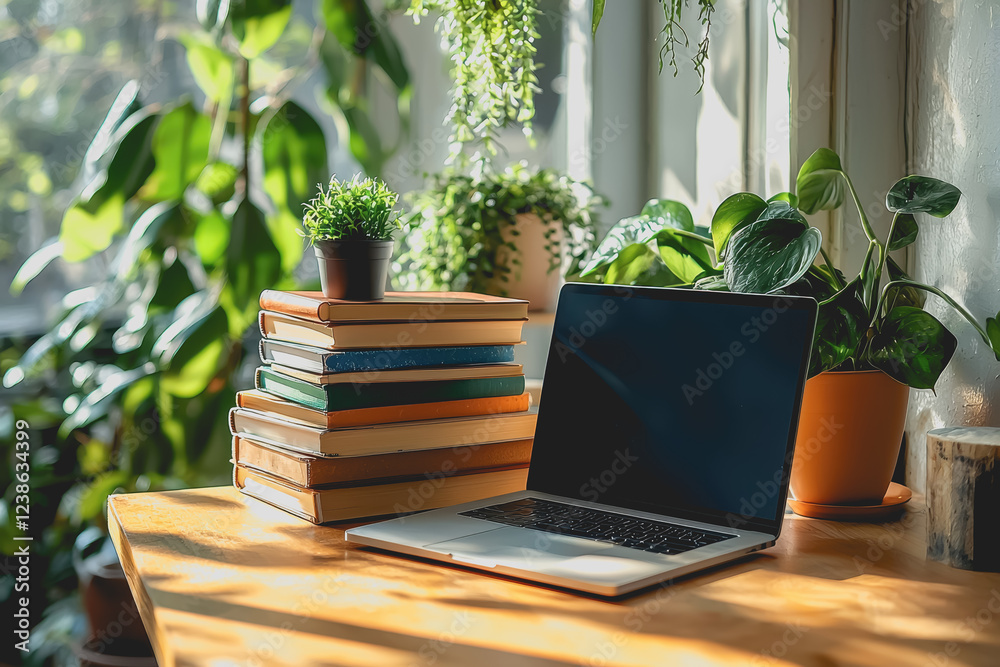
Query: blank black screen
[(672, 404)]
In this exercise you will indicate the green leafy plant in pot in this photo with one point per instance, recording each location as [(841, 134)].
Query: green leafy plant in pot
[(350, 226), (506, 233), (873, 341)]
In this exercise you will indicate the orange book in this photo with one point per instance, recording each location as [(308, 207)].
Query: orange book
[(307, 470), (260, 401), (396, 306), (356, 502), (391, 335)]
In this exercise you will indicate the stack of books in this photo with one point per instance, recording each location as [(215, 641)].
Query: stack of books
[(387, 407)]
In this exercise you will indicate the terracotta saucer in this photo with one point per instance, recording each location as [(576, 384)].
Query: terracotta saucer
[(896, 496)]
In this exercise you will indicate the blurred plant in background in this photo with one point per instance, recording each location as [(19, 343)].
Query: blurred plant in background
[(184, 212)]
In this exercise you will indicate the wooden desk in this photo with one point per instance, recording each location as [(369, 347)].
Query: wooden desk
[(223, 580)]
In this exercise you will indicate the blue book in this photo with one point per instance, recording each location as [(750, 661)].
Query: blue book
[(318, 360)]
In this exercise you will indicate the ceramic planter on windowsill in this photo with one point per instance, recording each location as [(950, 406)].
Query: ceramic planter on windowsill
[(530, 274), (850, 430)]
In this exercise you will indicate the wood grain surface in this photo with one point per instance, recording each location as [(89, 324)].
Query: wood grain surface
[(222, 580)]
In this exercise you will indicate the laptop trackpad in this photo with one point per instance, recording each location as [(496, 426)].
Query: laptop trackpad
[(536, 551)]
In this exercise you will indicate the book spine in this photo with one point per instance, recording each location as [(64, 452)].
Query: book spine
[(372, 395), (289, 304), (300, 392)]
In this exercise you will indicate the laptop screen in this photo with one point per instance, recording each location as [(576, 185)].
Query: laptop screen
[(678, 402)]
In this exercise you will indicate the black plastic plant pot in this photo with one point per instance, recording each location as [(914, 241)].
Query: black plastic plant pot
[(353, 270)]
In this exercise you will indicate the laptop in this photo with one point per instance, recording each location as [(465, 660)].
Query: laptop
[(663, 444)]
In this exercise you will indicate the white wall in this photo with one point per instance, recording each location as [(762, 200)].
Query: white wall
[(954, 57)]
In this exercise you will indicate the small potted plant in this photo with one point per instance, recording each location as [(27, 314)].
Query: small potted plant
[(506, 233), (350, 226), (873, 340)]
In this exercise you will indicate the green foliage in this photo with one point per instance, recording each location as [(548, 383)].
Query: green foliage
[(130, 387), (769, 247), (456, 227), (351, 211), (491, 46), (674, 35)]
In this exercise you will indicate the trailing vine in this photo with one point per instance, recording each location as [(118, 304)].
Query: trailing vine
[(492, 50)]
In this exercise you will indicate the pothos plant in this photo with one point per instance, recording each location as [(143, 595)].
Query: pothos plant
[(769, 247), (456, 226)]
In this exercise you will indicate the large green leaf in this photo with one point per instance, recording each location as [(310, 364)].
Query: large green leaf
[(294, 152), (364, 140), (993, 333), (668, 213), (912, 347), (180, 147), (820, 183), (598, 13), (785, 197), (686, 257), (35, 263), (769, 255), (144, 231), (211, 237), (129, 160), (199, 357), (98, 402), (217, 181), (125, 105), (922, 194), (904, 232), (84, 233), (735, 212), (638, 264), (212, 68), (841, 322), (258, 24), (627, 231), (252, 260), (357, 30), (782, 210)]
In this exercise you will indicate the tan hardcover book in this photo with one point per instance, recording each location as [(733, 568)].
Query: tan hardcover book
[(394, 498), (383, 438), (309, 471), (405, 374), (261, 401), (396, 306), (389, 335)]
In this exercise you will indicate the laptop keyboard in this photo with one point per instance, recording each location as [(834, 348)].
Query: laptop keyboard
[(655, 536)]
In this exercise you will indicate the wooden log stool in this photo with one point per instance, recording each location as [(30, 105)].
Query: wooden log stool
[(963, 497)]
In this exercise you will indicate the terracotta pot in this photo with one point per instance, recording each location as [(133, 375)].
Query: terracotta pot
[(848, 440), (353, 270), (529, 278)]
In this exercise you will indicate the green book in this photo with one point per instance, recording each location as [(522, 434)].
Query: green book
[(349, 396)]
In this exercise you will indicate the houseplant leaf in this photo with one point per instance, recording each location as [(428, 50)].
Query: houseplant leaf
[(598, 13), (769, 255), (993, 332), (686, 258), (902, 295), (912, 347), (668, 213), (840, 324), (904, 233), (637, 229), (785, 197), (922, 194), (638, 264), (357, 30), (781, 210), (258, 24), (180, 148), (735, 212), (212, 68), (294, 152), (820, 183), (212, 13), (253, 263)]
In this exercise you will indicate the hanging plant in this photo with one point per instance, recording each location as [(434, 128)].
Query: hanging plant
[(492, 50), (674, 35)]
